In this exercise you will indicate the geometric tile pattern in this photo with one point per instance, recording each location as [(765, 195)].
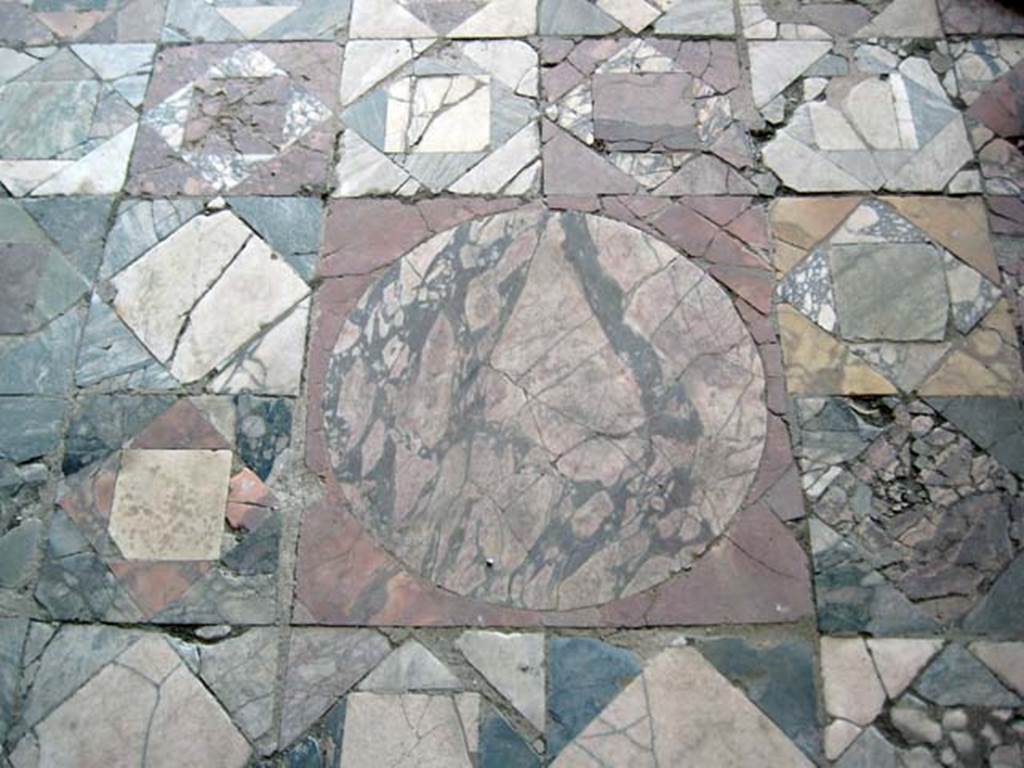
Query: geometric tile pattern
[(914, 525), (192, 21), (392, 19), (608, 103), (496, 575), (152, 335), (70, 117), (511, 383), (44, 22), (172, 527), (848, 325), (460, 118), (225, 117)]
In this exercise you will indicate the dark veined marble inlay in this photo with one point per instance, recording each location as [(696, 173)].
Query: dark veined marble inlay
[(545, 410)]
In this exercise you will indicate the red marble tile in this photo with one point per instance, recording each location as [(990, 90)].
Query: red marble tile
[(182, 426)]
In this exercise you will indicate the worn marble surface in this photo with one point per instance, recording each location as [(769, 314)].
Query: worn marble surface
[(511, 383)]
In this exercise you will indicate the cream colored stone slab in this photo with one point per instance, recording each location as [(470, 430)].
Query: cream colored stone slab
[(406, 731), (385, 19), (189, 727), (450, 114), (170, 505), (363, 170), (151, 657), (807, 170), (852, 688), (104, 724), (254, 290), (1005, 659), (410, 668), (899, 660), (831, 129), (511, 62), (905, 18), (156, 292), (870, 107), (936, 163), (514, 664), (274, 365), (22, 176), (839, 734), (681, 711)]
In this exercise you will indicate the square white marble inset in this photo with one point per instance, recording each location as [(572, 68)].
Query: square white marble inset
[(441, 113), (170, 504)]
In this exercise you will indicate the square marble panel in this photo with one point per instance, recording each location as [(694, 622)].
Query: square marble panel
[(460, 118), (44, 22), (245, 119), (849, 323), (169, 505), (225, 20), (364, 236), (165, 515), (68, 117), (646, 115), (872, 304)]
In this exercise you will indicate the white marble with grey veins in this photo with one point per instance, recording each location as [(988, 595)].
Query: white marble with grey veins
[(460, 118), (545, 410), (896, 131)]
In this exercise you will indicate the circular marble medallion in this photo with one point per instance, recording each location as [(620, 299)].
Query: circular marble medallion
[(545, 410)]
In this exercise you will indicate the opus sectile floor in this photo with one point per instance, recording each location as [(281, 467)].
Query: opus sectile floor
[(511, 383)]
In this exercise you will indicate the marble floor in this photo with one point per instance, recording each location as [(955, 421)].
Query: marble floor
[(511, 383)]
